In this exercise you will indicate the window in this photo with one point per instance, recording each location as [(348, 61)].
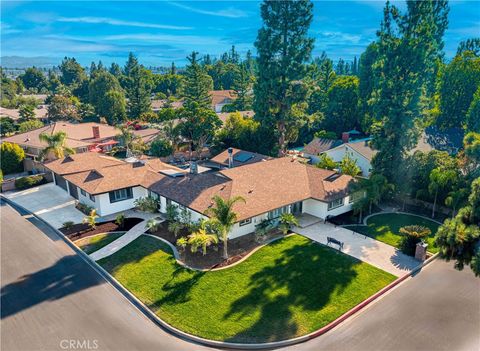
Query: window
[(83, 192), (120, 195), (335, 203), (245, 222), (92, 198), (277, 212)]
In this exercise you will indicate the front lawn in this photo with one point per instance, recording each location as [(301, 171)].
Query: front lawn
[(286, 289), (94, 243), (386, 228)]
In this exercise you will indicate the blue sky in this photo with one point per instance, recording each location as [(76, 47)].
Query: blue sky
[(159, 32)]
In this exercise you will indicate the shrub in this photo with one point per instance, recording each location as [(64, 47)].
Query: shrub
[(91, 219), (146, 204), (29, 182), (171, 213), (287, 220), (11, 157), (412, 235), (120, 220), (67, 225), (161, 148), (29, 125), (182, 243), (85, 209), (175, 227)]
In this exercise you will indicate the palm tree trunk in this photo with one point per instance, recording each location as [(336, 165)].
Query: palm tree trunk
[(434, 204), (361, 216), (370, 207), (225, 248)]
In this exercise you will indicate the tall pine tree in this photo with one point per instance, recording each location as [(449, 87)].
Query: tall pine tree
[(406, 43), (197, 85), (283, 47)]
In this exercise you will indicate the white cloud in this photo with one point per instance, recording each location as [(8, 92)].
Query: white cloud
[(164, 38), (116, 22), (230, 12)]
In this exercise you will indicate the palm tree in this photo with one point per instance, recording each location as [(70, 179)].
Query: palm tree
[(287, 221), (56, 145), (455, 198), (439, 180), (374, 187), (223, 217), (91, 219), (133, 143), (201, 239)]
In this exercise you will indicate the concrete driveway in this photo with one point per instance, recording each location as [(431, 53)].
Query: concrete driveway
[(49, 202), (369, 250)]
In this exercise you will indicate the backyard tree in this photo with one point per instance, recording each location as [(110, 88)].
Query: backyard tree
[(197, 85), (374, 187), (440, 179), (26, 112), (29, 125), (283, 48), (11, 157), (223, 217), (407, 45), (349, 166), (33, 78), (161, 148), (63, 107), (7, 126), (326, 162), (56, 145)]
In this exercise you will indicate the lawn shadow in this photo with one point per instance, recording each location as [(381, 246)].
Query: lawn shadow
[(178, 292), (66, 276), (304, 277)]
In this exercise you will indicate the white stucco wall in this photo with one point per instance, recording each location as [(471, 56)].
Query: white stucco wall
[(104, 206), (238, 230), (320, 209), (338, 153)]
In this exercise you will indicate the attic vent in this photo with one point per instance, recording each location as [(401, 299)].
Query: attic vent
[(93, 175), (250, 191), (68, 159), (333, 177), (223, 187), (138, 164)]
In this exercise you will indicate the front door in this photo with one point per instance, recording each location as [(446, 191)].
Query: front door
[(297, 208)]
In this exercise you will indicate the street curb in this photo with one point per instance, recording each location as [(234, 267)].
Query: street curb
[(198, 340)]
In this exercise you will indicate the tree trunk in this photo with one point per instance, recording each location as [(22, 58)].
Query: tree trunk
[(370, 208), (361, 216), (434, 204), (225, 248), (281, 139), (403, 204)]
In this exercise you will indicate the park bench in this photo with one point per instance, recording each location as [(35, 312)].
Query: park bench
[(335, 241)]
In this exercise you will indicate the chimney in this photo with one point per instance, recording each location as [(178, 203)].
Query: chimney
[(193, 168), (230, 157), (345, 137), (96, 132)]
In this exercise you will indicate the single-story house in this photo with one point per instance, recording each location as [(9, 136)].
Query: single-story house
[(318, 146), (221, 98), (233, 157), (40, 112), (81, 137), (270, 187)]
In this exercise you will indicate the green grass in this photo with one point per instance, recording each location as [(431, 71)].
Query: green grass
[(386, 228), (94, 243), (286, 289)]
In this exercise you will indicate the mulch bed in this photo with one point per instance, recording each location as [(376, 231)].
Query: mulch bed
[(82, 230), (237, 248)]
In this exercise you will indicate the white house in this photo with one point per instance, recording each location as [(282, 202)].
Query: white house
[(269, 187)]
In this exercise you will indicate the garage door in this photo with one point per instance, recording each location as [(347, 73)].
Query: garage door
[(61, 182), (73, 190)]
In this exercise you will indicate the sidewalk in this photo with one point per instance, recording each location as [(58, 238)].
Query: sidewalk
[(369, 250), (121, 242)]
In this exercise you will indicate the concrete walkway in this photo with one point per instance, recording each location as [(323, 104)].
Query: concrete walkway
[(123, 241), (369, 250)]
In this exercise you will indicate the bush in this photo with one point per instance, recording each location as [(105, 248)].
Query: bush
[(146, 204), (29, 125), (67, 225), (161, 148), (412, 235), (120, 220), (85, 209), (11, 156), (29, 182)]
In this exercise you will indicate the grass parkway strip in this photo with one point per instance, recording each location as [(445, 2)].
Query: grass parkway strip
[(287, 289)]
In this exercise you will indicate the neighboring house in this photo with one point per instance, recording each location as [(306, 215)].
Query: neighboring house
[(318, 146), (359, 150), (157, 105), (270, 187), (221, 98), (81, 137), (40, 113)]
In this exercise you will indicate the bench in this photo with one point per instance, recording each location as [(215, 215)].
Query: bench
[(335, 241)]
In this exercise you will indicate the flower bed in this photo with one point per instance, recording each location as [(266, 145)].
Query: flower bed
[(82, 230), (237, 248)]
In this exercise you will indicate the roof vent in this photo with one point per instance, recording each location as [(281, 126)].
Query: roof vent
[(250, 191), (172, 173), (138, 163), (333, 177)]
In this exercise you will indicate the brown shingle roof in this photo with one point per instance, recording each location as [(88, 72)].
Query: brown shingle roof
[(238, 155), (85, 161), (319, 145), (264, 185), (363, 148), (222, 96)]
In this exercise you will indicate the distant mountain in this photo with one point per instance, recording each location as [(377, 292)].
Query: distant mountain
[(24, 62)]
